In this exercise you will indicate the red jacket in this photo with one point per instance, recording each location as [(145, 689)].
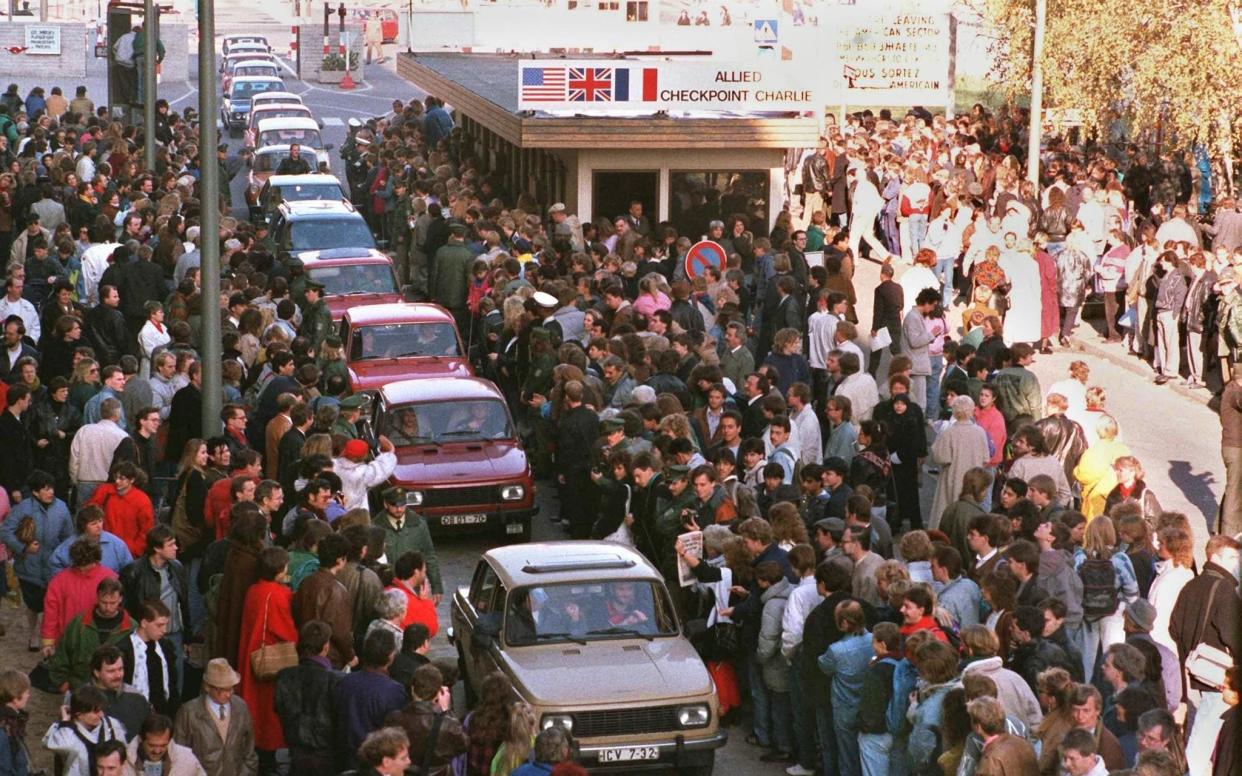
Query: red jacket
[(418, 609), (70, 593), (129, 515)]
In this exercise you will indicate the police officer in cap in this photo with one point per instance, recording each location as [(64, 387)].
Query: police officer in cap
[(316, 318), (351, 410)]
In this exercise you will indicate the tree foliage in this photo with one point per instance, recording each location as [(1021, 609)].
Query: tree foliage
[(1138, 62)]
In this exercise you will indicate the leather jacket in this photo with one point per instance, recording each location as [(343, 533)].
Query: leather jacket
[(815, 173), (417, 720)]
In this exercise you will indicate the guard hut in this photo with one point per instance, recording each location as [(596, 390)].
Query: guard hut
[(691, 140)]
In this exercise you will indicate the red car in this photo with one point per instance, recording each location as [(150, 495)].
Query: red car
[(386, 342), (352, 277), (458, 455)]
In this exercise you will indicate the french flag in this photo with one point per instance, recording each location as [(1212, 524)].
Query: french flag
[(646, 83)]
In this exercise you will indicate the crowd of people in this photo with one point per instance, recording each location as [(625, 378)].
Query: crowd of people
[(207, 604)]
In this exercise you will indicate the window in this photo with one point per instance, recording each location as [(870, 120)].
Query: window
[(323, 234), (609, 5), (439, 422), (484, 587), (588, 611), (402, 340), (636, 11), (697, 198)]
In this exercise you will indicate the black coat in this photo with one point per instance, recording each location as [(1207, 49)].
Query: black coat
[(17, 463), (141, 282), (105, 332), (1193, 622), (184, 421), (304, 705), (126, 645), (142, 583), (575, 438)]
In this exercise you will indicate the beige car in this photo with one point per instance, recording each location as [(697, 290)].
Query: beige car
[(587, 633)]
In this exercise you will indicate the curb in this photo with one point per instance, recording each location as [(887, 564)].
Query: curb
[(1138, 367)]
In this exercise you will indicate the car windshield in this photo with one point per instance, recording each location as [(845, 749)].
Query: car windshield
[(270, 162), (305, 192), (306, 137), (588, 611), (412, 424), (349, 279), (244, 90), (400, 340), (277, 112), (256, 70)]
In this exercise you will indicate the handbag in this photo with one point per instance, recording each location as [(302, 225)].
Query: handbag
[(623, 534), (270, 659), (1207, 664)]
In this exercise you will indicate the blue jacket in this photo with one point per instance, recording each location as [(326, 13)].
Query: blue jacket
[(846, 661), (52, 526), (961, 598), (362, 700), (14, 760), (116, 554), (925, 719), (532, 769)]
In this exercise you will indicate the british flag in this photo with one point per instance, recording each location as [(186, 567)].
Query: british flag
[(590, 84), (543, 84)]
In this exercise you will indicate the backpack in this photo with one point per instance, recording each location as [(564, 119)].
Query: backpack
[(1099, 588)]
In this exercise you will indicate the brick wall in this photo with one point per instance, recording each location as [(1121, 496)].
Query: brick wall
[(310, 48), (71, 62)]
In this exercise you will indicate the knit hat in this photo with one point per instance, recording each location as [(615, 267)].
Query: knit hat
[(356, 449)]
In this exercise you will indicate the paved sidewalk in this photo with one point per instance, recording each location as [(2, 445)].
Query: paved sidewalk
[(1088, 339)]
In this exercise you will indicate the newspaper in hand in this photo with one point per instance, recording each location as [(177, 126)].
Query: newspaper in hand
[(693, 543)]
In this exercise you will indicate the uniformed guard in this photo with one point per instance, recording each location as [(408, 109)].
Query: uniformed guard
[(351, 410), (316, 318)]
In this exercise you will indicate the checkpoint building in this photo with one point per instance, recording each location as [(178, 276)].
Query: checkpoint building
[(597, 134)]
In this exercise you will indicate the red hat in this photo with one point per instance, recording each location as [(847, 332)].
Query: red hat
[(356, 448)]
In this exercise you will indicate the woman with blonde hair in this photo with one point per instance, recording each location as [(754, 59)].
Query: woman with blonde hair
[(651, 295), (85, 383), (1095, 472), (1174, 570), (1054, 688), (515, 751), (1132, 487), (1101, 629)]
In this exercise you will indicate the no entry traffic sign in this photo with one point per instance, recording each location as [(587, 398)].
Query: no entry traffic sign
[(704, 254)]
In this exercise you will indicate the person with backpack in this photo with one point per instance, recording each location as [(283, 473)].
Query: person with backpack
[(1108, 583), (875, 740)]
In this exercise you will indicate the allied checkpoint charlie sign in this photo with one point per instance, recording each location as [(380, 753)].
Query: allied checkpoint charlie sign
[(615, 86)]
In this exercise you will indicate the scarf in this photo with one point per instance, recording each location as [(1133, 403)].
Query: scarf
[(13, 723)]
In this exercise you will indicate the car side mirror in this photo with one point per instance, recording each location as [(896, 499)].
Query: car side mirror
[(329, 146), (486, 630)]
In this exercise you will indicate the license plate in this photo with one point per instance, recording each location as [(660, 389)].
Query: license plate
[(629, 754), (463, 519), (513, 528)]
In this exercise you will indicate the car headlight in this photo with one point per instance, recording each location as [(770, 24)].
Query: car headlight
[(414, 498), (563, 721), (692, 716), (512, 492)]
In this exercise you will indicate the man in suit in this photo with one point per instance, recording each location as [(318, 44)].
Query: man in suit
[(889, 301), (638, 222), (575, 438), (217, 725), (786, 313), (754, 387)]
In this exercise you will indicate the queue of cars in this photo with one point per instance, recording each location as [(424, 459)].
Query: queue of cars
[(466, 469), (585, 631)]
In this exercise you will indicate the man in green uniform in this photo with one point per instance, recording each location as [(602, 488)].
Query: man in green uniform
[(450, 277), (674, 512), (538, 382), (316, 319), (399, 229), (406, 531), (351, 410)]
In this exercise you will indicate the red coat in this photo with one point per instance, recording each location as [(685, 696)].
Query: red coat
[(129, 516), (70, 593), (260, 697), (1050, 314), (418, 609)]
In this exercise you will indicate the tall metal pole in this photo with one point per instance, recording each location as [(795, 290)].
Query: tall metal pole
[(150, 26), (1037, 94), (209, 170)]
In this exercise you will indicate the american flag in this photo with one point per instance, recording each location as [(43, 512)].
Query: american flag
[(543, 84), (590, 84)]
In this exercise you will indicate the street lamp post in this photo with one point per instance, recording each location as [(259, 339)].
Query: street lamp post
[(1037, 94), (150, 25), (209, 137)]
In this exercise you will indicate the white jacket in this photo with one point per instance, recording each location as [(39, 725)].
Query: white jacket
[(358, 478), (61, 739), (90, 455), (802, 599), (1012, 690)]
